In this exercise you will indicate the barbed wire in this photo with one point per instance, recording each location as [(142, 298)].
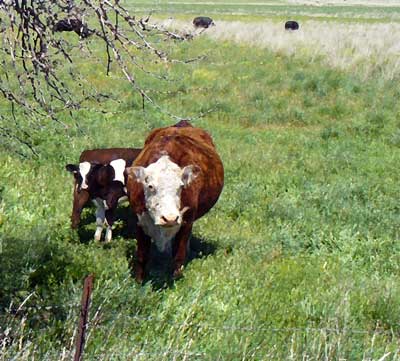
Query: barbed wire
[(161, 353), (263, 329), (97, 324), (245, 355), (164, 352)]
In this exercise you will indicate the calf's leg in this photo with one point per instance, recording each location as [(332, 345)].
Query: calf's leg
[(80, 199), (111, 207), (100, 217), (110, 217)]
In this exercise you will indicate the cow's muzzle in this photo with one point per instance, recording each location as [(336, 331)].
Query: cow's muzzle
[(80, 188), (172, 219), (169, 221)]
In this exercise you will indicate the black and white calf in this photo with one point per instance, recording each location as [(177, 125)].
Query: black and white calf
[(100, 177)]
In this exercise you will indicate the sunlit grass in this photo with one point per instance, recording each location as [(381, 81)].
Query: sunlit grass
[(363, 10), (300, 256)]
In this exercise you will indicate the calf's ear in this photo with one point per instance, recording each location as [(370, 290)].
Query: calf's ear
[(189, 174), (73, 168), (136, 173)]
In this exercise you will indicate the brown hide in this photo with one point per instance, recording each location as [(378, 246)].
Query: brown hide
[(105, 156), (185, 146)]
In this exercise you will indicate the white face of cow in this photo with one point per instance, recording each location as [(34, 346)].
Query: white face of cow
[(84, 169), (119, 168), (163, 182)]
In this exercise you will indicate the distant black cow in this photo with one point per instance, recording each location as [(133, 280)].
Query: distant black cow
[(291, 25), (73, 25), (203, 22)]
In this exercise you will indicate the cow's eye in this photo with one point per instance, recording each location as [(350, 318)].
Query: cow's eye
[(151, 187)]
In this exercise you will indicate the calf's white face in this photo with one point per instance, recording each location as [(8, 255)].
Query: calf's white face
[(163, 182), (119, 168), (84, 169)]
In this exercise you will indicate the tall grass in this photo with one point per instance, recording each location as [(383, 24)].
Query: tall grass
[(298, 260), (365, 49), (346, 2), (274, 9)]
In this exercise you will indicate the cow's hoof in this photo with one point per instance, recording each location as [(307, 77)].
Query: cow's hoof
[(97, 235), (108, 235), (139, 274), (139, 278), (178, 273)]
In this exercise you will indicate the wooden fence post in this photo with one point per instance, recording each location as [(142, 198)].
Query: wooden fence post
[(85, 303)]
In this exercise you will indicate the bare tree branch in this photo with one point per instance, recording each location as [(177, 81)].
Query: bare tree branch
[(41, 75)]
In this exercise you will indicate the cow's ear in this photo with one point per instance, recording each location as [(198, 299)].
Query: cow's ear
[(73, 168), (137, 173), (189, 174)]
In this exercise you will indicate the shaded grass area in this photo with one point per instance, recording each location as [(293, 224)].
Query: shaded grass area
[(299, 258)]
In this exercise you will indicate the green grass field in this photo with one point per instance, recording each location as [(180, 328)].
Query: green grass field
[(299, 259), (272, 9)]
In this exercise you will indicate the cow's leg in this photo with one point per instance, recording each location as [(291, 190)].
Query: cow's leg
[(100, 217), (111, 205), (108, 235), (142, 253), (110, 217), (181, 247), (80, 199)]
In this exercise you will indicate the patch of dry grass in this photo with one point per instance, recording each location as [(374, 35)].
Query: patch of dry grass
[(363, 48), (346, 2)]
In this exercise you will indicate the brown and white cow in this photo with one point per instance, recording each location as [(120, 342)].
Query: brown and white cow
[(176, 179), (100, 177)]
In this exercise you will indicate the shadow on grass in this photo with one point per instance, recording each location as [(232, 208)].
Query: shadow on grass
[(160, 268), (124, 226)]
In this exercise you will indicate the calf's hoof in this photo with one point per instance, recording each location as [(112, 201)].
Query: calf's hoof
[(108, 235), (97, 235)]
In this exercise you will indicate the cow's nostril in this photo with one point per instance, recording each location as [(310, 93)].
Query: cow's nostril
[(170, 220)]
